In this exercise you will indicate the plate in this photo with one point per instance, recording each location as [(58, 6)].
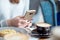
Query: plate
[(22, 30)]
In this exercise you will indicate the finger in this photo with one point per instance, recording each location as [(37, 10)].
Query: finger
[(24, 18), (22, 25), (31, 19), (21, 16), (26, 26), (22, 21), (29, 22), (19, 25)]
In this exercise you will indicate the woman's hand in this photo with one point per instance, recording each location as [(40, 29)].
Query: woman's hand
[(19, 22), (24, 23)]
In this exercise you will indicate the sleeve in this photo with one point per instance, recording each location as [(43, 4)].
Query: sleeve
[(3, 24), (38, 17)]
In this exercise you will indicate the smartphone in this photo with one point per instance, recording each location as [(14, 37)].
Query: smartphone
[(29, 14)]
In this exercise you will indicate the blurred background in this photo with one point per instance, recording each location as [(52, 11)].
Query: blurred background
[(51, 11)]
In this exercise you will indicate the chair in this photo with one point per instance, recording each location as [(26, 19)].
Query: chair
[(58, 13), (49, 11)]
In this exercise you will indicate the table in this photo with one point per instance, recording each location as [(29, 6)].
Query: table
[(42, 39), (33, 38)]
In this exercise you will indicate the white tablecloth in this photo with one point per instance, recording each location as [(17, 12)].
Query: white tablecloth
[(32, 38)]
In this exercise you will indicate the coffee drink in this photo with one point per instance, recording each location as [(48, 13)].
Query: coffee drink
[(43, 29)]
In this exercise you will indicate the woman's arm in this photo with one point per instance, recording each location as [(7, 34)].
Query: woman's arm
[(3, 23), (15, 22)]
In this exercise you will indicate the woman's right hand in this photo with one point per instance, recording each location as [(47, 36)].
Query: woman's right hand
[(14, 21), (18, 22)]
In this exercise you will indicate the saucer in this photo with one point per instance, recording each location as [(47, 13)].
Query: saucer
[(34, 33)]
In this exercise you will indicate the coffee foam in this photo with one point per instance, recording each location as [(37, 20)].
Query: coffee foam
[(43, 24)]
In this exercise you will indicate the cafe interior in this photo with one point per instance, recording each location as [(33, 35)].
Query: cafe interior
[(23, 28)]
